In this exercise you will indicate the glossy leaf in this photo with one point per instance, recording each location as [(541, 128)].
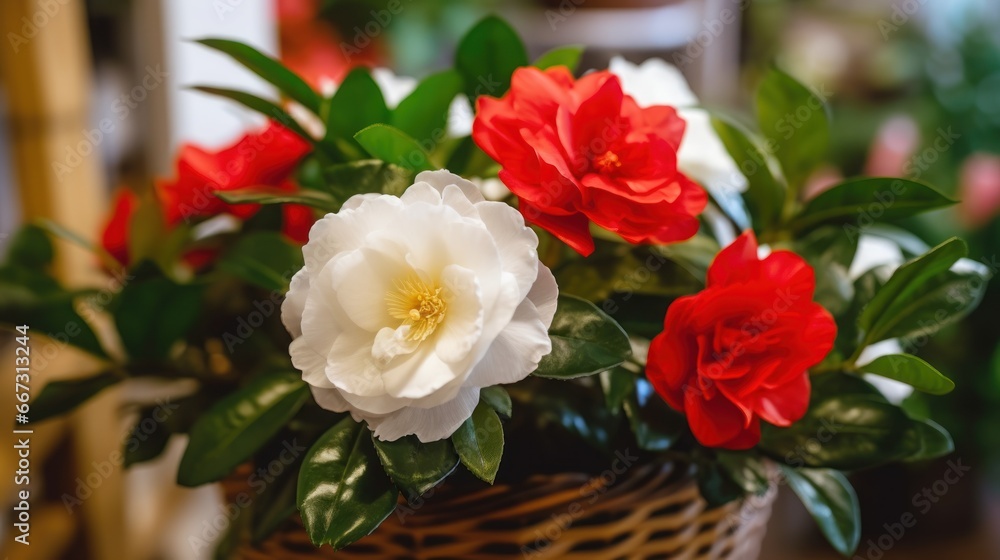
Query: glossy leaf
[(910, 370), (152, 314), (745, 469), (314, 199), (479, 442), (498, 398), (795, 123), (933, 441), (487, 56), (424, 113), (863, 201), (270, 69), (585, 341), (940, 301), (831, 501), (904, 283), (366, 176), (716, 486), (392, 145), (416, 467), (263, 258), (358, 103), (630, 272), (60, 397), (239, 424), (845, 432), (343, 493), (568, 56), (765, 196)]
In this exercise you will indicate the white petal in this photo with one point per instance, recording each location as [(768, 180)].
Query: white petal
[(874, 251), (390, 343), (394, 88), (655, 82), (294, 304), (545, 295), (351, 368), (516, 351), (346, 230), (420, 374), (460, 117), (442, 178), (362, 279), (516, 242), (704, 158), (429, 424), (369, 406), (310, 363), (463, 323)]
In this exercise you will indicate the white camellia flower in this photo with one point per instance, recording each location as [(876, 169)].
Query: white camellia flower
[(702, 156), (407, 306)]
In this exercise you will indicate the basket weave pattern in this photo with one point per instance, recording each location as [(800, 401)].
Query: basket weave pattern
[(648, 512)]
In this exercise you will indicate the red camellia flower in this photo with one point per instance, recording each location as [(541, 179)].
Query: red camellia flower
[(260, 159), (739, 351), (575, 151)]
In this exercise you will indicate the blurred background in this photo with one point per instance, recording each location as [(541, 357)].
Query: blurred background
[(93, 97)]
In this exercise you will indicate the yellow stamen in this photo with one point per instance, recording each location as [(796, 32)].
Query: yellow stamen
[(417, 305), (607, 162)]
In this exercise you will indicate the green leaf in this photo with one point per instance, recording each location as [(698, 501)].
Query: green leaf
[(34, 298), (655, 425), (695, 254), (479, 442), (273, 71), (60, 397), (845, 432), (795, 123), (585, 341), (765, 196), (416, 467), (572, 407), (568, 56), (498, 399), (343, 494), (424, 113), (263, 258), (152, 314), (358, 103), (30, 248), (262, 106), (830, 252), (314, 199), (617, 383), (831, 501), (866, 200), (911, 370), (904, 283), (149, 436), (275, 502), (239, 424), (392, 145), (716, 486), (469, 160), (940, 301), (933, 441), (745, 469), (487, 57), (630, 271), (366, 176)]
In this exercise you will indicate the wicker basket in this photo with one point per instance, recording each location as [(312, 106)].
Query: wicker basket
[(652, 511)]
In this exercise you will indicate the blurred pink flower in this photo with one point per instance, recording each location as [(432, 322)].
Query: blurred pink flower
[(895, 143), (979, 189)]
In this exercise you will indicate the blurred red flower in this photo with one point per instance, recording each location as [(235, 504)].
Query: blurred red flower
[(739, 351), (265, 158), (576, 151)]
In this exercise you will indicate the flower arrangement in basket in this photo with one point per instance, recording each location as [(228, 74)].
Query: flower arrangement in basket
[(378, 296)]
